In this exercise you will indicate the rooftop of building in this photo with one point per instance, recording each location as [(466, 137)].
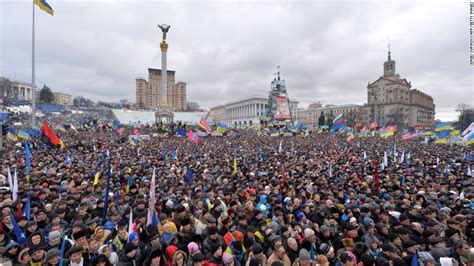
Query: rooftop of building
[(158, 71), (148, 117)]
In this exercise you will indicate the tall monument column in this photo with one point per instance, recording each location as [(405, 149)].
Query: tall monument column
[(164, 70)]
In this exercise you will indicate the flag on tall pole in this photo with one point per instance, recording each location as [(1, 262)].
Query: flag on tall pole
[(152, 201), (42, 4)]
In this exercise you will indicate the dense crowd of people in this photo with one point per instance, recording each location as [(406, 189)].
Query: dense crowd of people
[(302, 200)]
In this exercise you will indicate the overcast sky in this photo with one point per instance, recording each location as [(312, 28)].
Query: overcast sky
[(328, 50)]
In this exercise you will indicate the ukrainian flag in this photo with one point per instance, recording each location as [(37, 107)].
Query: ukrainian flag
[(387, 133), (23, 135), (443, 126), (12, 134), (42, 4), (221, 127), (456, 131)]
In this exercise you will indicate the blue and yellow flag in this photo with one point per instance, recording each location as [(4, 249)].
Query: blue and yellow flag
[(42, 4), (12, 134), (23, 135), (442, 126), (221, 127)]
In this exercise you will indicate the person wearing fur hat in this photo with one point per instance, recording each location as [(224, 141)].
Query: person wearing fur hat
[(77, 256)]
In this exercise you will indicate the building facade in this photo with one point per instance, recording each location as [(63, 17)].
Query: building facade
[(392, 101), (148, 93), (62, 99), (11, 91), (310, 117), (243, 112)]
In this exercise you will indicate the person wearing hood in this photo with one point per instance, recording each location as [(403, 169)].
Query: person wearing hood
[(263, 206), (111, 255), (11, 252), (128, 256)]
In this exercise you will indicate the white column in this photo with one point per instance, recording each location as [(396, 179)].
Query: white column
[(164, 77)]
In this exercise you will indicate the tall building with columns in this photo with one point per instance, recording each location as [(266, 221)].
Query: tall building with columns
[(11, 90), (243, 112)]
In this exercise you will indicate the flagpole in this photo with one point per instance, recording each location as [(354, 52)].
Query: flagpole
[(33, 89)]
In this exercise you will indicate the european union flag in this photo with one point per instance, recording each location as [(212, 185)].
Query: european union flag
[(181, 132), (20, 236)]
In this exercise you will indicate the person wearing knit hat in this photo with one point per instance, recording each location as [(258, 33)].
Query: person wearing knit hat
[(215, 255), (304, 259), (52, 257), (198, 259), (227, 259)]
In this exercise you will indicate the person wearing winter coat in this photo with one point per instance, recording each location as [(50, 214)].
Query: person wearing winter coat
[(128, 256)]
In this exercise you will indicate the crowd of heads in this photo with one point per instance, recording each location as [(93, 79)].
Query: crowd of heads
[(301, 200)]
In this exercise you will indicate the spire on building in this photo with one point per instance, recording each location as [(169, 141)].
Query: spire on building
[(389, 65)]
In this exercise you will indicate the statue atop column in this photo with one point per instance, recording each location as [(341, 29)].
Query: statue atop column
[(164, 28)]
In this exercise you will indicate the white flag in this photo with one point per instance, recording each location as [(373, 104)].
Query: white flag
[(15, 186), (365, 155), (403, 157), (151, 204), (10, 179), (469, 172), (437, 161), (130, 224), (385, 159), (279, 148)]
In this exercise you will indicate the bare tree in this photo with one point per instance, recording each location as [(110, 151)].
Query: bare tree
[(466, 115)]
